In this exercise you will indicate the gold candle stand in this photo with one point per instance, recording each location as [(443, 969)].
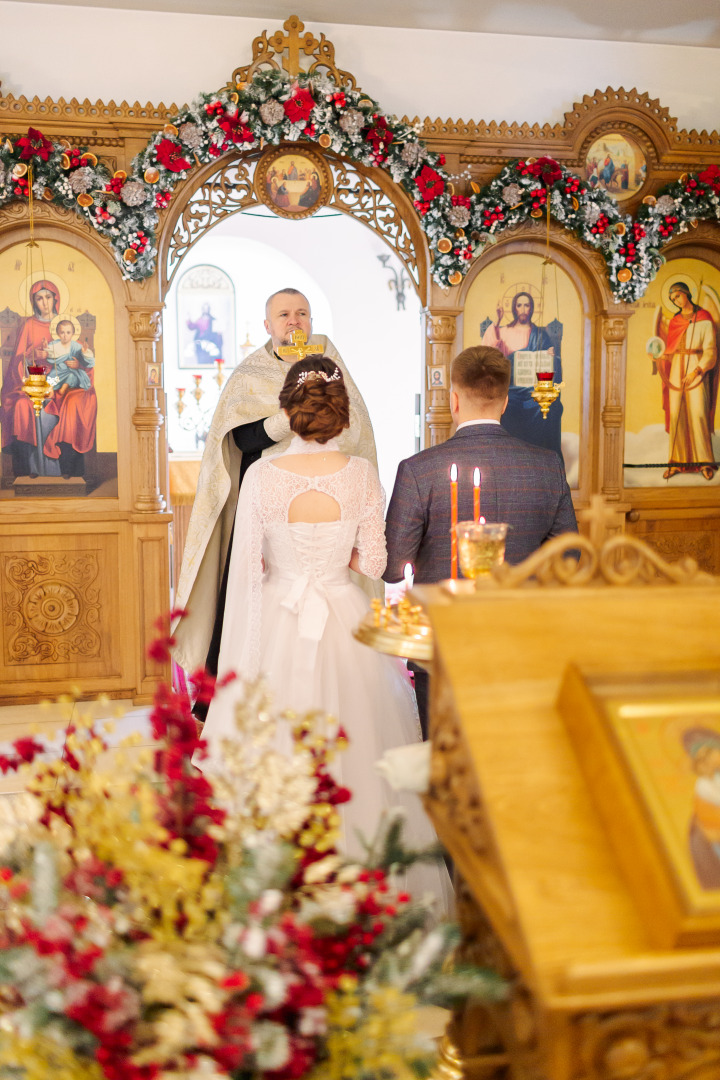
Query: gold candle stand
[(402, 629)]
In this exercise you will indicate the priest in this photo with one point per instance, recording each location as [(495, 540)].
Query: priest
[(247, 424)]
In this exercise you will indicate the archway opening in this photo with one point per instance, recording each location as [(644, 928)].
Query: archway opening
[(360, 296)]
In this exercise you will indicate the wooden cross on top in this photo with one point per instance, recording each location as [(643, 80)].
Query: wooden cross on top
[(300, 347), (295, 42), (603, 519)]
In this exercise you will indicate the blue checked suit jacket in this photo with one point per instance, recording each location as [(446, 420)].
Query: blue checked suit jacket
[(521, 484)]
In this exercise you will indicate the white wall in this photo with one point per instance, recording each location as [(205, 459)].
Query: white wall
[(334, 260), (66, 51)]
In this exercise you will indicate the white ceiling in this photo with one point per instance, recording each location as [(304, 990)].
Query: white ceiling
[(667, 22)]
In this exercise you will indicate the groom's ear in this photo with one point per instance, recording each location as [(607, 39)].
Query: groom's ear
[(454, 402), (505, 404)]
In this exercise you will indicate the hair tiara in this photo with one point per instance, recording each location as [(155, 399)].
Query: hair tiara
[(305, 375)]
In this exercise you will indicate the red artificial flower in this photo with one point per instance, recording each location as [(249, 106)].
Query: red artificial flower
[(299, 106), (236, 129), (169, 154), (711, 176), (34, 144), (547, 169), (379, 134), (430, 183)]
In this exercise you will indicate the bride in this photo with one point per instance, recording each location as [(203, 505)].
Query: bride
[(304, 519)]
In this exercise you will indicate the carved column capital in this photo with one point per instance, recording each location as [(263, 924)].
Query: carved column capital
[(145, 322), (614, 329), (441, 328)]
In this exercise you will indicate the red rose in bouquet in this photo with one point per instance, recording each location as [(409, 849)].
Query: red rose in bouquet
[(169, 154), (430, 183), (299, 106)]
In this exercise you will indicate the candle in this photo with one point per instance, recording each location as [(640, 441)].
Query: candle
[(476, 495), (453, 521), (408, 575)]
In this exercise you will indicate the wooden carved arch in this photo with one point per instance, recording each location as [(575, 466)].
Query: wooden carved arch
[(225, 187)]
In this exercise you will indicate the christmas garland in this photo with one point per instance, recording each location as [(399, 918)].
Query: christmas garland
[(273, 108)]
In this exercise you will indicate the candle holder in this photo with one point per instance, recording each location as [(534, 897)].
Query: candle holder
[(198, 391), (546, 391), (481, 547), (402, 629), (219, 377), (36, 386), (180, 403)]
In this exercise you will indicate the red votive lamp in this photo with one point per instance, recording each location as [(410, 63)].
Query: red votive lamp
[(544, 376), (36, 370)]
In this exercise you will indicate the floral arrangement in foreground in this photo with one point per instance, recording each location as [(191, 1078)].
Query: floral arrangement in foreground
[(155, 924)]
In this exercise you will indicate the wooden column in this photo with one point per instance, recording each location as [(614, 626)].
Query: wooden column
[(614, 330), (148, 417), (441, 329)]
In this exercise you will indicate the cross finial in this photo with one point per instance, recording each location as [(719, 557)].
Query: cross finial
[(300, 347), (295, 42)]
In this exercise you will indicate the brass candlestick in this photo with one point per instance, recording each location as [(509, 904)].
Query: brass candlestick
[(219, 377), (198, 391), (180, 403), (546, 391)]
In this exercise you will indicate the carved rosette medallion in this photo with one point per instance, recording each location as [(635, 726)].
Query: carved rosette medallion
[(667, 1042), (51, 606)]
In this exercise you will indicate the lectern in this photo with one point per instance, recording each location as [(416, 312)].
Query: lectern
[(572, 841)]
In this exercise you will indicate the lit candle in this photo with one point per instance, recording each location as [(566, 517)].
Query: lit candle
[(476, 495), (453, 521), (408, 575)]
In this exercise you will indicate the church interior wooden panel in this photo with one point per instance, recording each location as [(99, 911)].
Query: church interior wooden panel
[(590, 992)]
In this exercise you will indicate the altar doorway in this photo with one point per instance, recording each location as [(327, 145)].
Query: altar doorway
[(360, 295)]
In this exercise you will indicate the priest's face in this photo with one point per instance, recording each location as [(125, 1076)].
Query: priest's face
[(287, 313)]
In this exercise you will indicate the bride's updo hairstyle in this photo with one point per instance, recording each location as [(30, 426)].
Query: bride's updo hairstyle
[(315, 399)]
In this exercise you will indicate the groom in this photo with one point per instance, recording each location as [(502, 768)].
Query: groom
[(521, 484)]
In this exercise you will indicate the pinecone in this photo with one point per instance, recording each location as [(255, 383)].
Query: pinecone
[(458, 216), (413, 153), (133, 193), (81, 180), (271, 112), (352, 121), (191, 135)]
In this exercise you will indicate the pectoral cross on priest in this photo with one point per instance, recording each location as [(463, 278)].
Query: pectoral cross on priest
[(300, 347)]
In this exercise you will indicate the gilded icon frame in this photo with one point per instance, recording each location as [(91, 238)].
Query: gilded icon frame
[(283, 193)]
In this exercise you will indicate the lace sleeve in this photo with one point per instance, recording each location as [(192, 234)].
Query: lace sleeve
[(370, 537)]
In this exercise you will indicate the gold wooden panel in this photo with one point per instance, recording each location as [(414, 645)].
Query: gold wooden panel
[(591, 996)]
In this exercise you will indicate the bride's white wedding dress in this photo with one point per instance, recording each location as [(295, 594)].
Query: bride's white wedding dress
[(292, 622)]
